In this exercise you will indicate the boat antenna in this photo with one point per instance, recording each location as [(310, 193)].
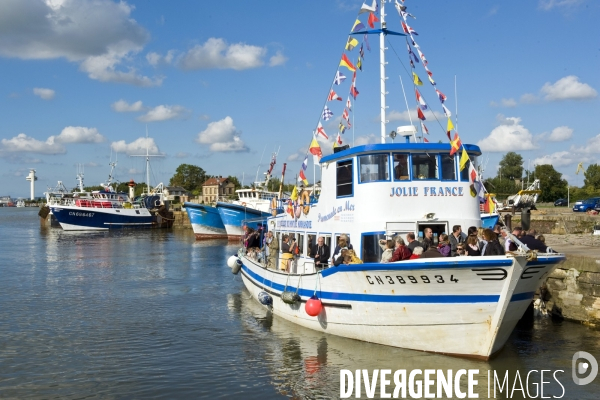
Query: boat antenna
[(147, 155), (258, 169)]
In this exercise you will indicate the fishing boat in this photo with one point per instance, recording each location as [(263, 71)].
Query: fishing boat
[(20, 203), (252, 206), (107, 209), (463, 306), (206, 221)]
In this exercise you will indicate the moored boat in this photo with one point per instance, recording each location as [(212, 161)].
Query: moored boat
[(464, 306), (206, 221)]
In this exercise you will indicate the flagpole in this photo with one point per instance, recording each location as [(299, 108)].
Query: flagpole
[(382, 69)]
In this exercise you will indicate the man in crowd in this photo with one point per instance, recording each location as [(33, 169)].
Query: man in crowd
[(412, 242), (320, 252), (455, 239)]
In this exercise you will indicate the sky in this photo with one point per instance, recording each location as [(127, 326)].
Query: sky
[(222, 85)]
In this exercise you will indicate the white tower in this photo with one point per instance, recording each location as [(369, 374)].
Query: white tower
[(32, 178)]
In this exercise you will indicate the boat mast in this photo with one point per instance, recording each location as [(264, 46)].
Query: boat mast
[(382, 77)]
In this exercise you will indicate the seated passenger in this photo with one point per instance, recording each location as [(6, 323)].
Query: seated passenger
[(401, 168), (388, 250), (416, 253), (353, 257), (339, 259), (402, 252), (444, 245)]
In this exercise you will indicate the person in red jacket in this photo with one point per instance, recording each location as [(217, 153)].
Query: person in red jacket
[(402, 252)]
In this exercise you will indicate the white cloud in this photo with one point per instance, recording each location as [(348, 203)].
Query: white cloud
[(367, 139), (43, 93), (24, 143), (510, 135), (558, 159), (182, 154), (123, 106), (591, 148), (154, 58), (66, 29), (560, 134), (529, 98), (79, 134), (277, 59), (164, 113), (222, 136), (216, 53), (568, 88), (136, 147), (550, 4)]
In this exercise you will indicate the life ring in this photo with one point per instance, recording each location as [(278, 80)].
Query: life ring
[(304, 202), (274, 206)]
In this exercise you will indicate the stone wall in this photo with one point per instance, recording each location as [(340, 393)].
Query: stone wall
[(181, 220), (572, 291), (559, 224)]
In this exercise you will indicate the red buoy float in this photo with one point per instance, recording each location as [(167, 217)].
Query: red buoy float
[(313, 306)]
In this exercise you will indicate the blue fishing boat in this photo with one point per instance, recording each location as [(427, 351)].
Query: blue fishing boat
[(206, 221)]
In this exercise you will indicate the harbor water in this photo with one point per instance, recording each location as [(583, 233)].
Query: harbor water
[(155, 314)]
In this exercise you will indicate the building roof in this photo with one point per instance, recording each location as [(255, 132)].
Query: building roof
[(176, 189), (215, 181)]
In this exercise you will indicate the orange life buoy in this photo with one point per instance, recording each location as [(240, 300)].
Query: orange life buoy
[(243, 204), (304, 202), (274, 206)]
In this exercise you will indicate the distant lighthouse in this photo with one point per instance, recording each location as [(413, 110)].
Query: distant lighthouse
[(32, 178)]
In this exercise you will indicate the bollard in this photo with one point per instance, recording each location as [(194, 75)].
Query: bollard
[(508, 222), (525, 218)]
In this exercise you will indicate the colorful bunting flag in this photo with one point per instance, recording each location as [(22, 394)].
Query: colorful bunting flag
[(464, 158), (368, 8), (338, 140), (342, 127), (404, 27), (315, 150), (455, 144), (327, 114), (346, 63), (441, 95), (446, 111), (345, 114), (366, 40), (424, 128), (425, 140), (361, 51), (349, 104), (321, 130), (431, 79), (353, 91), (420, 114), (339, 78), (359, 63), (305, 163), (422, 57), (352, 43), (372, 20), (358, 26), (449, 127), (294, 195), (420, 100), (333, 96), (412, 55), (416, 80), (302, 177)]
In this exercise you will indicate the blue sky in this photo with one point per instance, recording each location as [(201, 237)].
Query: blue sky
[(219, 83)]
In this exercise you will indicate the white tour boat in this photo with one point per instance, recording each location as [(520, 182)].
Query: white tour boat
[(465, 306)]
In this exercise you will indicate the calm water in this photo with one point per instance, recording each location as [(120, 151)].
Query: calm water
[(154, 314)]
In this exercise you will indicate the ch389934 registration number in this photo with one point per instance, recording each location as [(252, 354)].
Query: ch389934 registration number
[(404, 279)]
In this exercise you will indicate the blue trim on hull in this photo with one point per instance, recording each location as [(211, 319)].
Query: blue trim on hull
[(96, 219), (205, 216), (234, 215)]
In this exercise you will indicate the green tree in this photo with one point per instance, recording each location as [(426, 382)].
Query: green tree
[(501, 187), (592, 177), (551, 183), (189, 177), (511, 166), (235, 181)]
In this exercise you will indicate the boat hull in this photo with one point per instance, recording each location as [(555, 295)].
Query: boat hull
[(73, 218), (206, 221), (468, 308), (489, 220), (235, 216)]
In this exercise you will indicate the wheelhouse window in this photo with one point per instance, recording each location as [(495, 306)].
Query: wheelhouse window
[(448, 168), (344, 178), (374, 168), (424, 166), (401, 167), (371, 251)]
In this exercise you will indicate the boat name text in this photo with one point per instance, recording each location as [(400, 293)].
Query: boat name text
[(346, 207), (409, 279), (294, 224), (427, 191), (81, 214)]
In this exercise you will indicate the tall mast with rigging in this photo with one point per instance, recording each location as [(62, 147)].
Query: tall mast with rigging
[(382, 77)]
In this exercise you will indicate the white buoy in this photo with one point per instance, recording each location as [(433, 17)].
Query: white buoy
[(235, 264), (32, 178)]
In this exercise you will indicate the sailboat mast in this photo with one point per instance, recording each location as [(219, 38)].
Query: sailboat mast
[(382, 70)]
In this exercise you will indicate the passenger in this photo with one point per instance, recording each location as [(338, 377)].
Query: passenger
[(286, 254), (320, 252), (353, 257), (402, 252), (482, 241), (472, 246), (492, 246), (339, 248), (428, 239), (456, 238), (501, 235), (272, 248), (518, 232), (444, 245), (431, 252), (388, 250), (347, 259), (535, 244), (541, 238), (251, 238), (340, 257), (412, 242), (416, 253), (460, 250)]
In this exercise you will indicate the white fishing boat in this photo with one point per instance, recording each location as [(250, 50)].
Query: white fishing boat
[(465, 306)]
